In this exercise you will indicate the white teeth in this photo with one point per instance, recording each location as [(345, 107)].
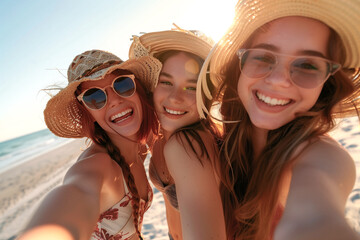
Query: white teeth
[(174, 112), (272, 101), (120, 114)]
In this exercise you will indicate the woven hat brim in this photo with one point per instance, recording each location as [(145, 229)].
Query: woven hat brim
[(156, 42), (341, 15), (64, 118)]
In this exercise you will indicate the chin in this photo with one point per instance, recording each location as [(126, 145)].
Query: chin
[(270, 125), (266, 124)]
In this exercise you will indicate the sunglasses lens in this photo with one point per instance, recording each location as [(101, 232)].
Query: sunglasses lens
[(257, 63), (94, 98), (124, 86), (309, 72)]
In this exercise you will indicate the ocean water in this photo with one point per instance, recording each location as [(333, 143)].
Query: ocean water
[(21, 149)]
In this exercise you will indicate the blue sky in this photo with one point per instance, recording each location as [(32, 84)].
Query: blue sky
[(37, 37)]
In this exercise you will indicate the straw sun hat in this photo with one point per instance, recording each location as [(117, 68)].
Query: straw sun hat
[(178, 39), (341, 15), (62, 115)]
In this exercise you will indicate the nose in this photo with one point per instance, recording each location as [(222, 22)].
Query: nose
[(176, 95), (113, 98), (280, 75)]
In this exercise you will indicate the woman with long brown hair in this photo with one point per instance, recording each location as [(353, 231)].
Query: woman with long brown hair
[(285, 70), (185, 157), (106, 192)]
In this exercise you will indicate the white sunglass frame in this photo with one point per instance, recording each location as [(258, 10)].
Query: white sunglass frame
[(80, 97)]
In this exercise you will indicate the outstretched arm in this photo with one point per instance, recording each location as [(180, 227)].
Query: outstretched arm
[(322, 179), (197, 192), (71, 210)]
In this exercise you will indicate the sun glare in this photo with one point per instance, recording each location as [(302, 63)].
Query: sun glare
[(214, 18), (220, 19)]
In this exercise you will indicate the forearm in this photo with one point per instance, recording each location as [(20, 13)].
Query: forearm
[(69, 208)]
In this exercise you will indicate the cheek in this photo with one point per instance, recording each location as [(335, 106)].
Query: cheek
[(156, 99), (97, 115), (311, 96), (140, 112), (158, 94), (241, 87), (190, 97), (193, 109), (137, 100)]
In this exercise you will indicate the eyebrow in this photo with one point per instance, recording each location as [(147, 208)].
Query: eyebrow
[(192, 81), (165, 74), (301, 52)]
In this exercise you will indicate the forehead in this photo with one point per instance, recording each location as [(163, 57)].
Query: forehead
[(294, 34), (181, 64)]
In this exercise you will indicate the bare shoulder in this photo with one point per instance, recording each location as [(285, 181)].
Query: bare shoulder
[(185, 150), (326, 152), (327, 157), (93, 162), (323, 176), (200, 144)]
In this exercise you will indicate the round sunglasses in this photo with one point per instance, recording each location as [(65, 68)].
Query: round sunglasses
[(96, 98)]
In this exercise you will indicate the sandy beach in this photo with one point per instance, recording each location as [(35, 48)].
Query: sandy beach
[(23, 187)]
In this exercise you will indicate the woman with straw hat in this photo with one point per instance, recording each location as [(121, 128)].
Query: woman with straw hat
[(184, 160), (106, 192), (284, 71)]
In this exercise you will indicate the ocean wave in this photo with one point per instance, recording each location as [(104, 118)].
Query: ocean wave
[(26, 147)]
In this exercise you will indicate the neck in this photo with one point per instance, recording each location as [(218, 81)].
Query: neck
[(166, 134), (259, 139), (129, 148)]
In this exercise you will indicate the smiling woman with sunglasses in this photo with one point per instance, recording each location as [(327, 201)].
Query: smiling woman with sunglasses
[(106, 192), (284, 71)]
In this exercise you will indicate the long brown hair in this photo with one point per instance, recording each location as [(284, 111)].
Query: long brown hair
[(190, 132), (148, 130), (250, 186)]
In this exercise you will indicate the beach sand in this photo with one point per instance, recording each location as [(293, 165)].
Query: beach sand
[(23, 187), (348, 135)]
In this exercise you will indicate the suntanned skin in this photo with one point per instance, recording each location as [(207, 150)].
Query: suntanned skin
[(95, 182), (320, 216), (200, 214), (314, 189)]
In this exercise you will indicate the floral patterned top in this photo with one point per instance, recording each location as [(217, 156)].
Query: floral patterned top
[(117, 223)]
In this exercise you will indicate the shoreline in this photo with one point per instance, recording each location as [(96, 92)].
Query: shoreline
[(36, 155)]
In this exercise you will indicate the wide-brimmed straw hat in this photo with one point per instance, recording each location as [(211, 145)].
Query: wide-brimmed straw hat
[(343, 16), (62, 115), (194, 42)]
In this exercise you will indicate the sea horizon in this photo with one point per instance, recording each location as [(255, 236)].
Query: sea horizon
[(23, 148)]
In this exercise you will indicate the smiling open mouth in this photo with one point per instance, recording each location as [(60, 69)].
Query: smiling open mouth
[(122, 116), (272, 101), (174, 112)]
